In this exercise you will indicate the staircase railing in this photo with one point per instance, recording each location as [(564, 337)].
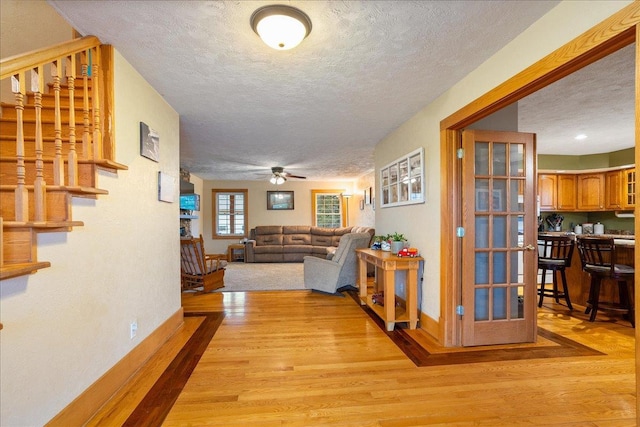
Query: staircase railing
[(78, 62), (55, 135)]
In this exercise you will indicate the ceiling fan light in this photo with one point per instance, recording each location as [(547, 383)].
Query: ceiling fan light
[(281, 27)]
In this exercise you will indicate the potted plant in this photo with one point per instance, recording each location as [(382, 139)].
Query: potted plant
[(397, 241)]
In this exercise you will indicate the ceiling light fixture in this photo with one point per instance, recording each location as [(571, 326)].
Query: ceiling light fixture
[(581, 136), (278, 177), (281, 27)]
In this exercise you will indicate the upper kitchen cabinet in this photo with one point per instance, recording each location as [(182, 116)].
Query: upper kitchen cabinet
[(591, 189), (613, 186), (548, 192), (557, 192), (629, 188)]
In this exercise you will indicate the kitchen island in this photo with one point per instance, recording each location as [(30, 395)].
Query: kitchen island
[(579, 282)]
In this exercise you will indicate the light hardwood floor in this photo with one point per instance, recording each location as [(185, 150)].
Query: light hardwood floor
[(298, 358)]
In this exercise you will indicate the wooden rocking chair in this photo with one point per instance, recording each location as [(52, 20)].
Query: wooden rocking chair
[(200, 270)]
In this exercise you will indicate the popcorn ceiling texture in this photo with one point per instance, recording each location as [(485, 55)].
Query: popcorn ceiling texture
[(319, 109)]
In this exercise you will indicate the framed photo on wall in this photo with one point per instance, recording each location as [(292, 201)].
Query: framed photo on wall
[(279, 200), (402, 181), (149, 143)]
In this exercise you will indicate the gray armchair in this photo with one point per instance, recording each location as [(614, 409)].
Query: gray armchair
[(329, 275)]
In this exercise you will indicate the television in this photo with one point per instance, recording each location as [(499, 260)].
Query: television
[(190, 202)]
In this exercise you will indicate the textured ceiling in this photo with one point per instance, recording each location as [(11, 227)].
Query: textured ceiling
[(318, 109), (597, 101)]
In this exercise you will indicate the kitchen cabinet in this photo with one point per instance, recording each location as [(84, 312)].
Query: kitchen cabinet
[(567, 192), (591, 192), (629, 188), (613, 186), (557, 192), (547, 191)]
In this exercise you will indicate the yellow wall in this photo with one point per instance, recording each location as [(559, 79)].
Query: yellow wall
[(259, 215), (67, 325), (421, 223)]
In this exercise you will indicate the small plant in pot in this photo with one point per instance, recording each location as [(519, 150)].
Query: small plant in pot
[(397, 241)]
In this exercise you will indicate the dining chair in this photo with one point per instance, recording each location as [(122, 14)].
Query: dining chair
[(598, 258)]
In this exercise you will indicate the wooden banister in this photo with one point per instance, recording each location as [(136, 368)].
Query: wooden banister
[(26, 61)]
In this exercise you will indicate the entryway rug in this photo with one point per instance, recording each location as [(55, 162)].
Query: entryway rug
[(550, 345)]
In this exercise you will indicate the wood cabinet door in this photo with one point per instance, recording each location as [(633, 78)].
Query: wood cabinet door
[(629, 188), (613, 190), (591, 192), (567, 193), (547, 191)]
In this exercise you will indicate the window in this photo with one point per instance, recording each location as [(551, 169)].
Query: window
[(327, 208), (230, 213)]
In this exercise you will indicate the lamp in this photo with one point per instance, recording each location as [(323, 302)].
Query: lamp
[(281, 27), (346, 205)]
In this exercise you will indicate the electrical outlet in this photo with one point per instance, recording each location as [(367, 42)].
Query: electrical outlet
[(133, 329)]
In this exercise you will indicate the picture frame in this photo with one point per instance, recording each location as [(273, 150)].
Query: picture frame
[(280, 200), (166, 187), (367, 196), (149, 143), (361, 204), (403, 180)]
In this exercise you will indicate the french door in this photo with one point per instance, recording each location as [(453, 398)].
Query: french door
[(499, 243)]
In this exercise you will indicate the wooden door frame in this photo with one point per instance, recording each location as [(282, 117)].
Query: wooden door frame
[(615, 32)]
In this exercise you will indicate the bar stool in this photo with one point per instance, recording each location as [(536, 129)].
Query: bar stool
[(598, 257), (554, 254)]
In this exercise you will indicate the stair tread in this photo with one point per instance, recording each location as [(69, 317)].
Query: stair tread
[(72, 189), (42, 225), (105, 163), (14, 270)]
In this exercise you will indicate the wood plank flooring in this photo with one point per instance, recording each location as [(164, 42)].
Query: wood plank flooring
[(298, 358)]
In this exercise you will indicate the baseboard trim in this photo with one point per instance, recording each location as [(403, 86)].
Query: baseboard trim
[(97, 394), (430, 325)]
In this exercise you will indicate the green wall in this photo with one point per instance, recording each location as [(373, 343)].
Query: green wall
[(591, 161)]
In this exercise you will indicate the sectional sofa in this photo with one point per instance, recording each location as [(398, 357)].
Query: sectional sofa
[(291, 243)]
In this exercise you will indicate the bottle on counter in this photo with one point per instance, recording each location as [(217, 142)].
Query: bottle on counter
[(578, 229)]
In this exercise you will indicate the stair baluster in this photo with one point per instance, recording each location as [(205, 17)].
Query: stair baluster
[(72, 165), (58, 164), (95, 98), (39, 185), (86, 137), (18, 86)]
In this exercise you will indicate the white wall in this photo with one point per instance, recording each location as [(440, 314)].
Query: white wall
[(67, 325), (421, 223), (258, 213)]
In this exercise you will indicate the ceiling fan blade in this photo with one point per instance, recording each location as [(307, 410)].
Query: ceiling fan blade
[(296, 176)]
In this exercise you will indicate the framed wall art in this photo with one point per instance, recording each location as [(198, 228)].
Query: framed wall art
[(149, 143), (279, 200), (402, 181)]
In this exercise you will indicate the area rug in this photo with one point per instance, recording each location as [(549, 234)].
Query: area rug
[(270, 276)]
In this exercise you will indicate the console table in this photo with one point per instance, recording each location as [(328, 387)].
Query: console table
[(386, 265)]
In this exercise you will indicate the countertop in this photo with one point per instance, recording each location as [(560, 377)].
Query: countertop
[(618, 239)]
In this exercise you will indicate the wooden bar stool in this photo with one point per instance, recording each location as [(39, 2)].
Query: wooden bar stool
[(598, 257), (554, 254)]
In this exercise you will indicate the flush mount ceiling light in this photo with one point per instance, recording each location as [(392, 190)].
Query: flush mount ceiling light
[(581, 137), (281, 27)]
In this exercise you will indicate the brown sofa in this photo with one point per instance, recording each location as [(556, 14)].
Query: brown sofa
[(291, 243)]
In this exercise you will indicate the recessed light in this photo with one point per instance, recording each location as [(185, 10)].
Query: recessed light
[(581, 137)]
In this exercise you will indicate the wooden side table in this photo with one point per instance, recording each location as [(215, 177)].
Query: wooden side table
[(388, 264), (235, 252)]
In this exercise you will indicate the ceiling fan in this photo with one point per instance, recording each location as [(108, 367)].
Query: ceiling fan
[(279, 176)]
